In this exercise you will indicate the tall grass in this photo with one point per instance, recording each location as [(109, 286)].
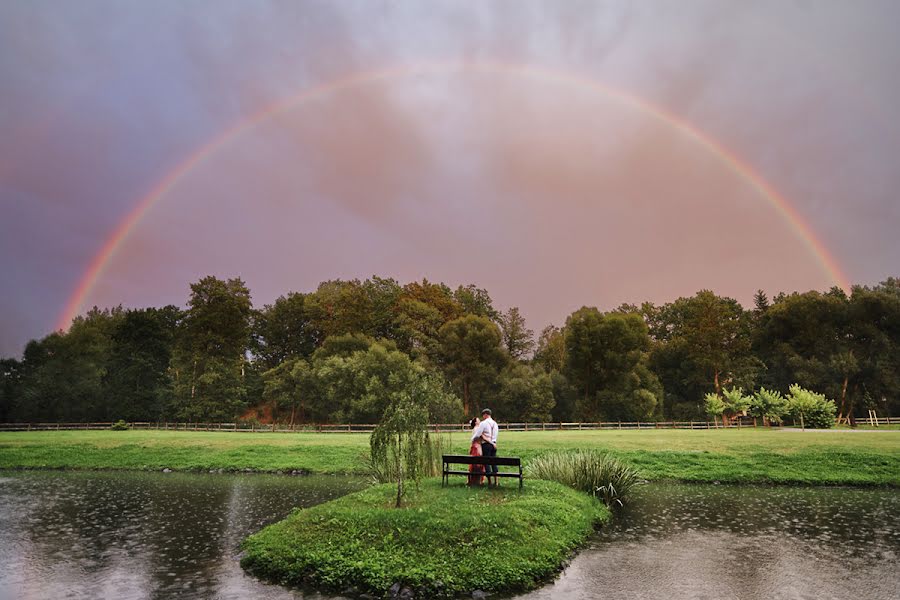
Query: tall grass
[(590, 471)]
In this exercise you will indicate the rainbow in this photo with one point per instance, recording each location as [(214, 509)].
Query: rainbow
[(801, 229)]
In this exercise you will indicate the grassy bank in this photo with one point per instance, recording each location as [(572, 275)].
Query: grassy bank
[(443, 542), (746, 455)]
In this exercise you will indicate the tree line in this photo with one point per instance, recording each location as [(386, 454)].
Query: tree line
[(341, 352)]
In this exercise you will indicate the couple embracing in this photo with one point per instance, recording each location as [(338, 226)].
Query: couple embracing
[(484, 443)]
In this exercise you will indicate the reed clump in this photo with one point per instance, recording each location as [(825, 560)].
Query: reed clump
[(597, 473)]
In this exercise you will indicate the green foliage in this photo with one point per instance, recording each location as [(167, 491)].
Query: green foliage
[(476, 301), (284, 330), (735, 401), (438, 545), (289, 386), (10, 387), (551, 349), (119, 425), (471, 357), (702, 344), (812, 409), (606, 359), (526, 392), (638, 362), (517, 338), (209, 361), (63, 374), (769, 405), (138, 384), (400, 445), (714, 404), (590, 471)]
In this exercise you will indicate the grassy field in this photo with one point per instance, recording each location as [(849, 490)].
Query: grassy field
[(438, 544), (734, 455)]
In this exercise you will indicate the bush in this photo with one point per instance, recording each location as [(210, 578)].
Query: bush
[(119, 425), (590, 471), (769, 405), (812, 409)]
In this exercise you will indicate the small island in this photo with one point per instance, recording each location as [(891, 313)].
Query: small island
[(443, 542)]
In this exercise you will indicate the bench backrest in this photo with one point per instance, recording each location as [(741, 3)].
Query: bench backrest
[(465, 459)]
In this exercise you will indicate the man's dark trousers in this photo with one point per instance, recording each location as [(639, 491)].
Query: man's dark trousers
[(488, 449)]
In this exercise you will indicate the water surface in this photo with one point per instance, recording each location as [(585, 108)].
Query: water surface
[(153, 535), (743, 542), (142, 535)]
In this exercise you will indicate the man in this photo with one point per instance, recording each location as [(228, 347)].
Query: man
[(487, 431)]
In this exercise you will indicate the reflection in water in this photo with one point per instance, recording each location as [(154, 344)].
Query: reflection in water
[(142, 535), (748, 542), (153, 535)]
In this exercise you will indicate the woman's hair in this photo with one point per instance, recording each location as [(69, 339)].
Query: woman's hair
[(472, 421)]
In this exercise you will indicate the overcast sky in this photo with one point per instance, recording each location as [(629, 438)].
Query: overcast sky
[(551, 194)]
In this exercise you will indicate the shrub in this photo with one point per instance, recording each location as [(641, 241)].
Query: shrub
[(119, 425), (735, 401), (590, 471), (813, 409), (714, 405), (768, 405)]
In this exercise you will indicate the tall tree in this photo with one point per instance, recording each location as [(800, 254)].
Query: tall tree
[(551, 349), (137, 383), (808, 339), (284, 330), (473, 300), (705, 344), (607, 356), (210, 358), (339, 307), (63, 374), (584, 350), (525, 393), (517, 338), (10, 387), (470, 354)]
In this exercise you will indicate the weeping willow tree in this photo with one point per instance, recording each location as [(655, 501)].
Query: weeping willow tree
[(400, 445)]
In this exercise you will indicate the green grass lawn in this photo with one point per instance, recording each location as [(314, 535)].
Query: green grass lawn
[(733, 455), (442, 542)]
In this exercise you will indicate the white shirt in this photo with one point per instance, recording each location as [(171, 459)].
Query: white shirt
[(487, 428)]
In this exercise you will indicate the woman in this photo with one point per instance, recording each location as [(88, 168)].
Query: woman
[(477, 471)]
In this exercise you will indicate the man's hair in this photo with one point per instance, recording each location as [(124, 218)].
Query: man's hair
[(486, 411)]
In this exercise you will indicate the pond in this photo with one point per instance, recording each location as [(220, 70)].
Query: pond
[(715, 542), (143, 535), (154, 535)]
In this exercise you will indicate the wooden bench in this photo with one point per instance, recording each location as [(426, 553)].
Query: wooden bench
[(500, 461)]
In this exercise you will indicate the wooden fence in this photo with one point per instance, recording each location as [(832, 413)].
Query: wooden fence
[(439, 427)]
